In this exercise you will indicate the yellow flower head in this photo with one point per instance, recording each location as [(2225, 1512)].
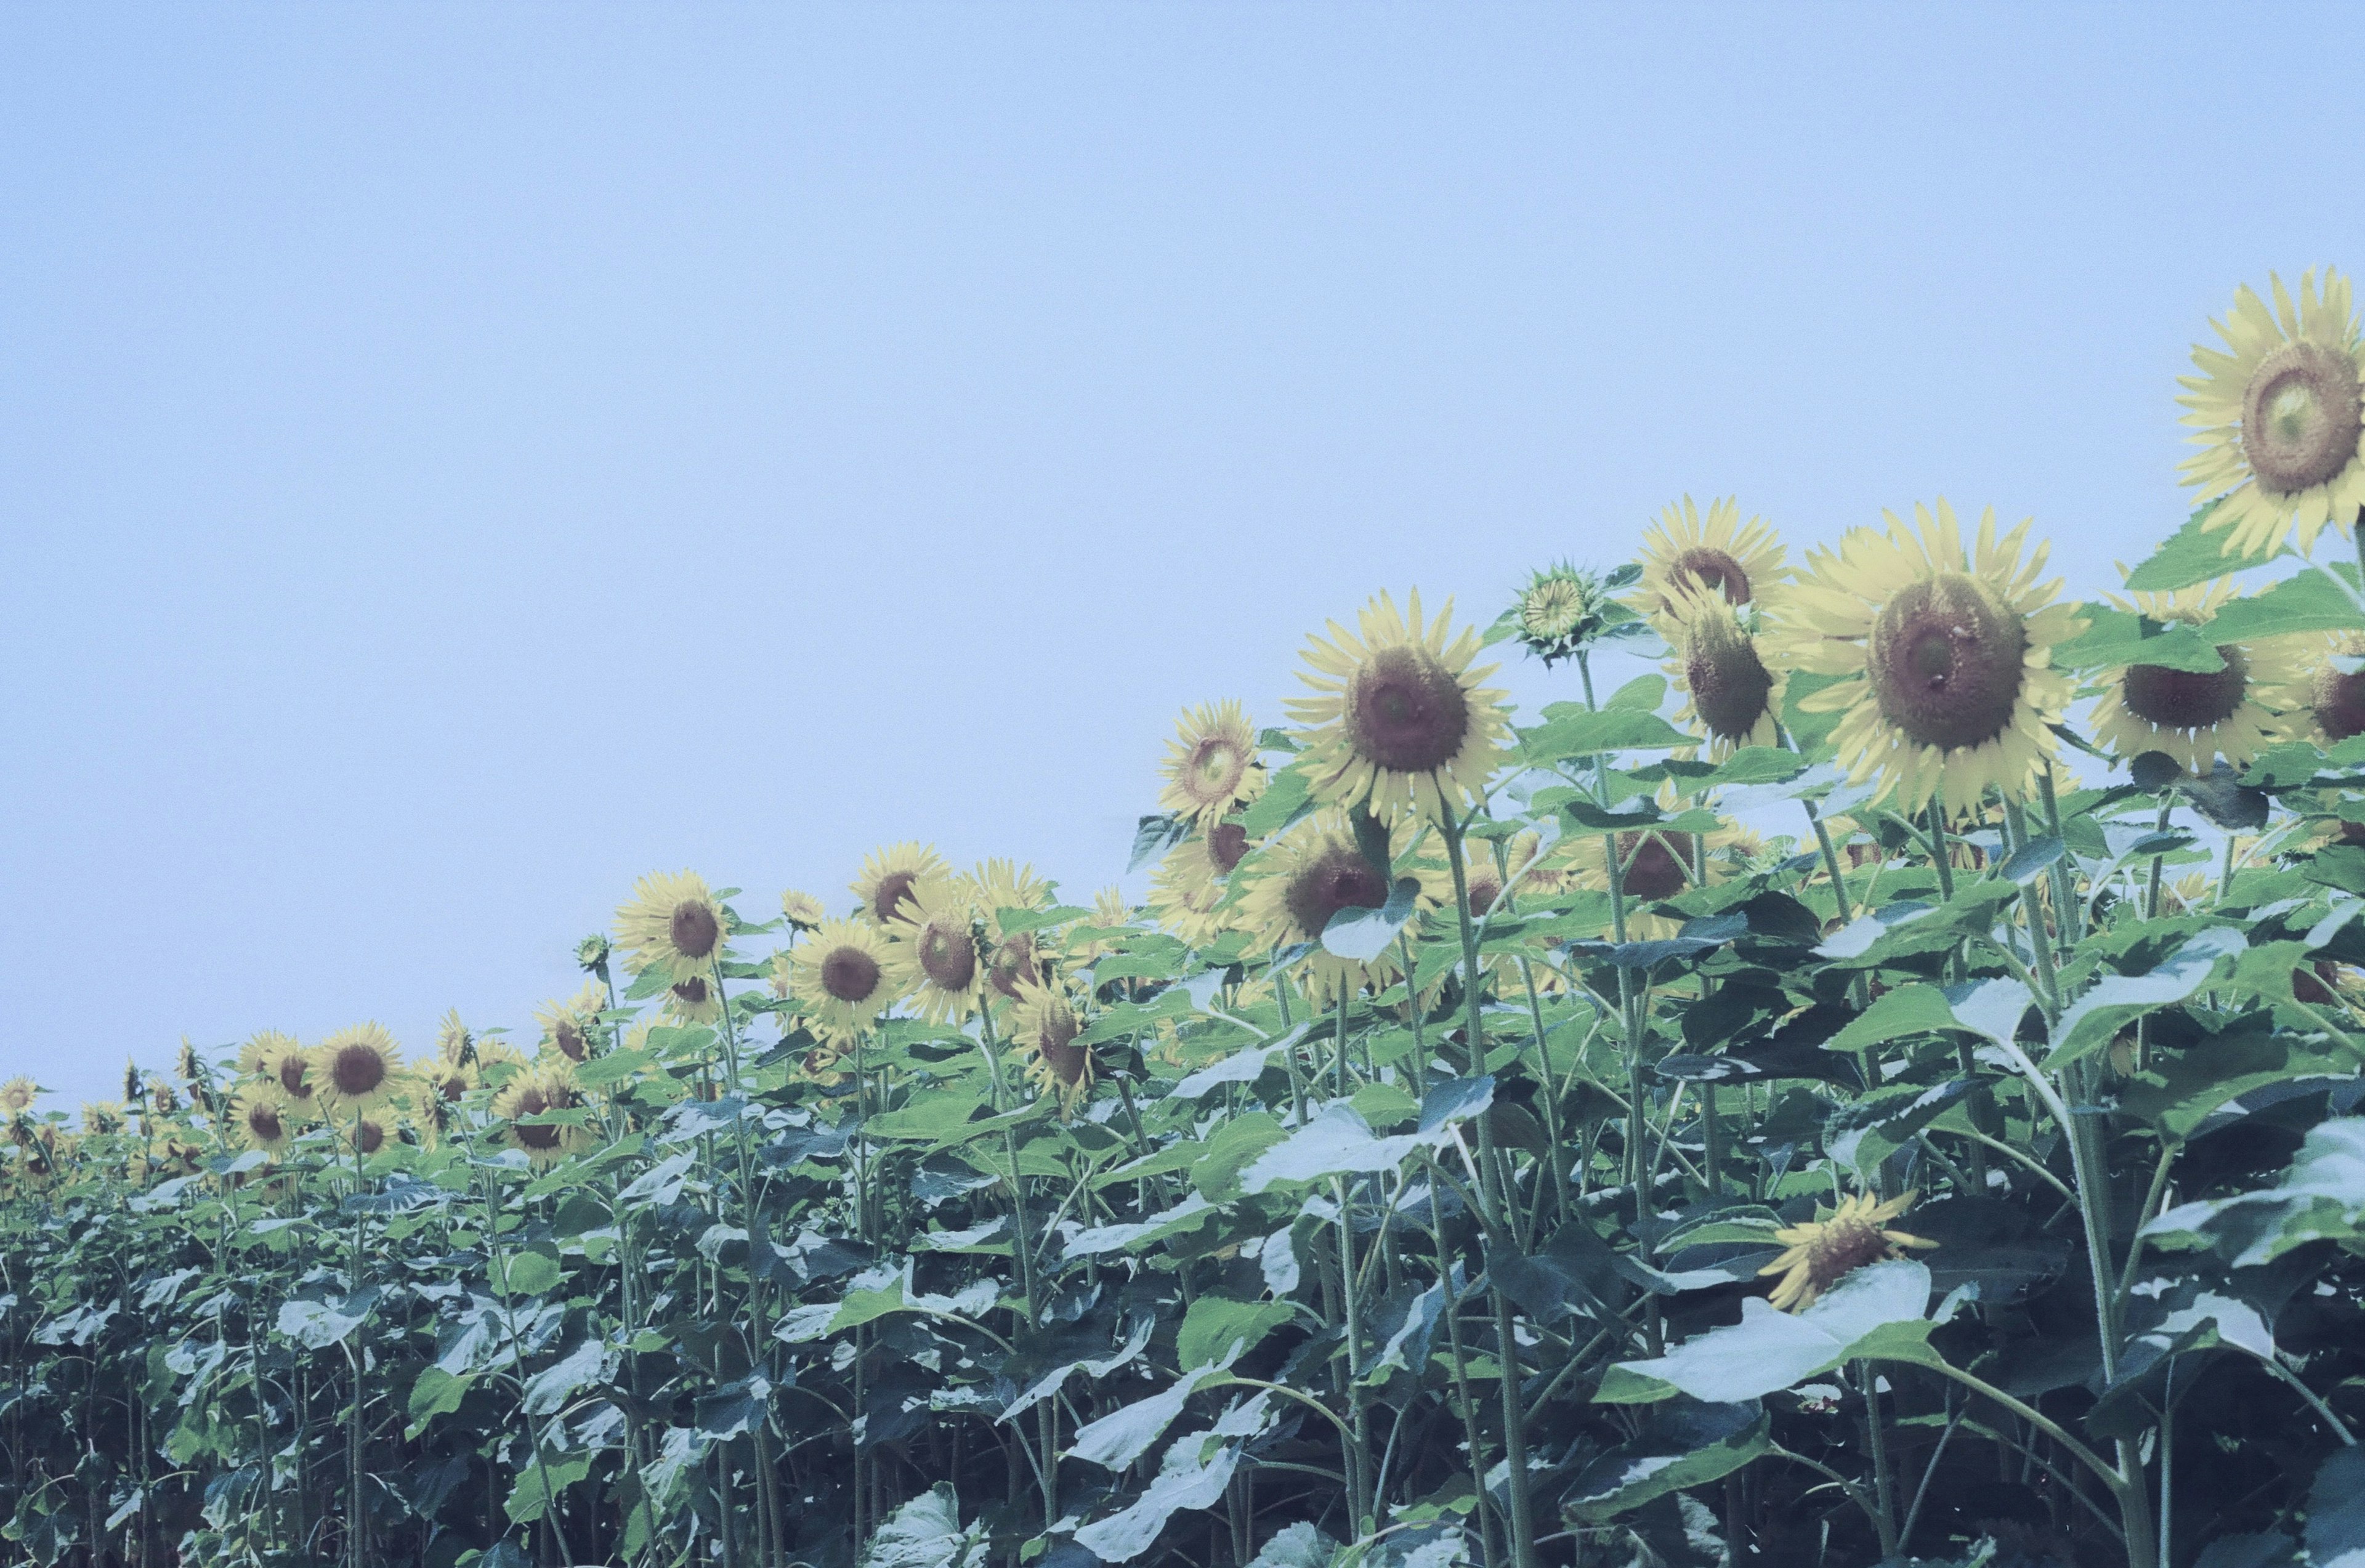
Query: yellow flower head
[(1836, 1243), (2196, 716), (1185, 893), (1044, 1028), (804, 912), (672, 921), (17, 1094), (691, 1000), (259, 1119), (1310, 874), (1946, 656), (1732, 698), (1398, 717), (355, 1070), (2280, 422), (2336, 696), (547, 1090), (934, 957), (1720, 557), (1210, 764), (889, 875), (101, 1116), (1110, 909), (569, 1025), (842, 981)]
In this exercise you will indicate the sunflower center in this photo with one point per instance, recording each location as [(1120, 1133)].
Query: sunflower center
[(291, 1077), (1226, 842), (1552, 609), (1013, 962), (948, 957), (1339, 878), (1945, 662), (568, 1036), (534, 1103), (1485, 888), (695, 929), (2301, 417), (1055, 1041), (1844, 1246), (692, 991), (850, 974), (1404, 710), (1702, 566), (1727, 681), (1652, 871), (888, 901), (2183, 698), (356, 1070), (452, 1086), (2339, 703), (263, 1121), (1216, 768)]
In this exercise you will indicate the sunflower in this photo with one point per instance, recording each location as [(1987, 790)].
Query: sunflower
[(1834, 1243), (1015, 961), (1044, 1029), (2194, 717), (101, 1116), (1111, 910), (368, 1132), (672, 921), (442, 1081), (356, 1069), (888, 876), (259, 1119), (1946, 656), (1186, 895), (2281, 419), (1559, 611), (803, 911), (935, 959), (279, 1060), (18, 1094), (691, 1000), (1210, 764), (1399, 718), (546, 1089), (2335, 696), (1723, 556), (569, 1025), (1311, 873), (998, 884), (497, 1054), (1731, 698), (1656, 865), (841, 978)]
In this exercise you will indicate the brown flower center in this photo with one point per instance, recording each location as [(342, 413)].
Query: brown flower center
[(263, 1122), (692, 991), (356, 1069), (887, 901), (1214, 769), (1728, 682), (2301, 417), (1014, 964), (850, 974), (947, 956), (1945, 662), (694, 929), (2186, 700), (1404, 710), (1485, 888), (1843, 1247), (1702, 566), (2339, 703), (1226, 842), (373, 1135), (1339, 878), (1054, 1040), (1652, 871), (534, 1103), (293, 1078), (568, 1036)]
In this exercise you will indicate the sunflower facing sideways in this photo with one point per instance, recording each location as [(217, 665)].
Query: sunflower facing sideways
[(569, 1025), (1185, 893), (2335, 689), (802, 911), (1731, 698), (2195, 716), (1683, 554), (1834, 1243), (1945, 655), (889, 875), (840, 978), (934, 960), (1308, 875), (672, 921), (259, 1119), (1043, 1028), (1211, 765), (356, 1069), (545, 1091), (2281, 418), (1398, 719)]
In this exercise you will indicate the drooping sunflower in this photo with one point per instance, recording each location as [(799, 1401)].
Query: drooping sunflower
[(1014, 952), (1731, 698), (259, 1119), (547, 1090), (1683, 554), (1949, 687), (453, 1042), (2197, 717), (2280, 416), (804, 912), (693, 1000), (672, 921), (1836, 1243), (841, 980), (17, 1094), (1043, 1028), (356, 1069), (1015, 959), (934, 960), (570, 1024), (1311, 873), (890, 874), (1211, 765), (1399, 718), (1186, 894), (2335, 696)]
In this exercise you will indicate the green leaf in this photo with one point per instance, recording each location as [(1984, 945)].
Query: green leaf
[(435, 1393), (2117, 1001), (2186, 557), (547, 1391), (2308, 602), (930, 1116), (1118, 1438), (2114, 638), (1684, 1445), (1228, 1153), (613, 1068), (1641, 695), (926, 1533), (1760, 765), (2320, 1197), (1589, 735), (533, 1271), (1911, 1009), (528, 1500), (1768, 1350), (1284, 801), (1218, 1330), (1363, 935)]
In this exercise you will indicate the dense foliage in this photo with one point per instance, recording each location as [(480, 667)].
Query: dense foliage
[(1793, 1117)]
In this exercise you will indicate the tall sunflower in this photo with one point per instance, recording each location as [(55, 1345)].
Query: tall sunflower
[(1210, 764), (1043, 1028), (1655, 865), (933, 959), (444, 1082), (841, 980), (2281, 418), (282, 1061), (672, 921), (803, 911), (1731, 698), (1308, 875), (547, 1090), (569, 1025), (1683, 554), (259, 1119), (1836, 1243), (1398, 717), (1559, 611), (356, 1069), (2194, 717), (17, 1094), (889, 874), (1186, 894), (1946, 656), (453, 1042), (692, 999)]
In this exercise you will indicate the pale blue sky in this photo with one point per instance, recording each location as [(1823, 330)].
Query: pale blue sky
[(453, 459)]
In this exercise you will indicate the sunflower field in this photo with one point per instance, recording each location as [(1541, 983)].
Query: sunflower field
[(1885, 1090)]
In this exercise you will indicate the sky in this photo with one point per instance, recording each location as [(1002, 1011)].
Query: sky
[(456, 460)]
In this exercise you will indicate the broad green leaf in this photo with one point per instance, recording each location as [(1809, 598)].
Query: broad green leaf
[(1641, 695), (1228, 1153), (2320, 1197), (2114, 638), (1193, 1475), (1682, 1445), (529, 1500), (1336, 1143), (2188, 555), (547, 1391), (1216, 1330), (1769, 1351), (434, 1392), (531, 1272), (926, 1533), (1590, 735), (1285, 799), (2309, 602), (1119, 1438), (1363, 935), (1911, 1009), (2117, 1001)]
